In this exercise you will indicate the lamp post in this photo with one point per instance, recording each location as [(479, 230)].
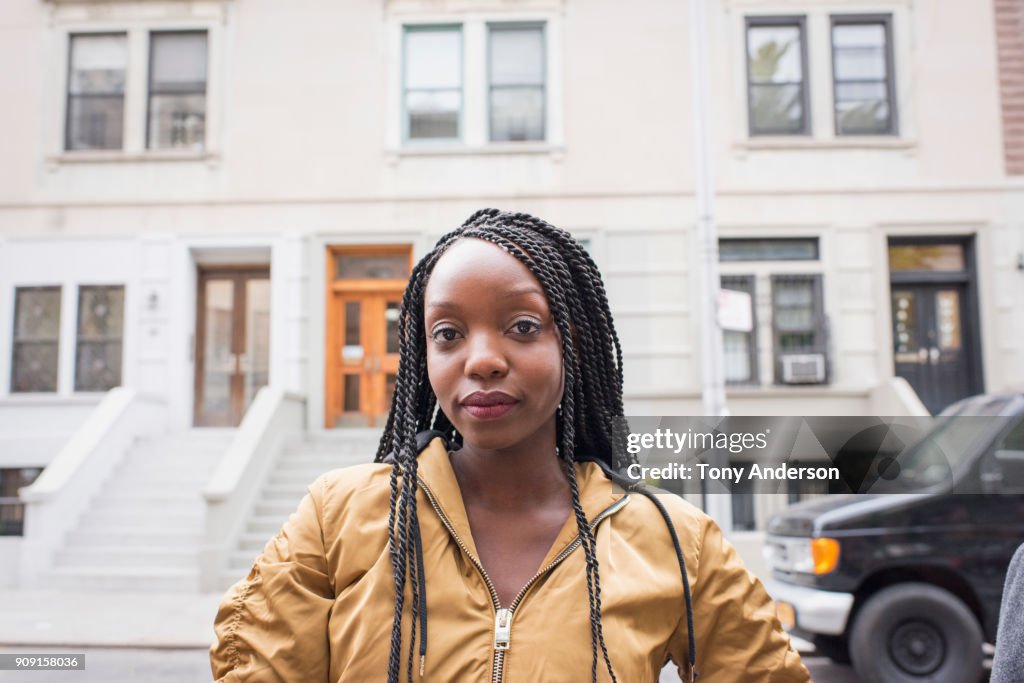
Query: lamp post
[(712, 357)]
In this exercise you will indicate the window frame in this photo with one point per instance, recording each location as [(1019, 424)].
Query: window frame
[(800, 21), (148, 139), (69, 74), (411, 27), (750, 284), (758, 259), (852, 19), (489, 87), (821, 328), (81, 289), (12, 390)]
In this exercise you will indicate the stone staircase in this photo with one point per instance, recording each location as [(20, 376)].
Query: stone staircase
[(303, 458), (143, 531)]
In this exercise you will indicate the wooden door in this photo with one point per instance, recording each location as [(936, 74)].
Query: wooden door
[(232, 349), (365, 297)]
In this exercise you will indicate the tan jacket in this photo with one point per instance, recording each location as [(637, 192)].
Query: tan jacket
[(318, 604)]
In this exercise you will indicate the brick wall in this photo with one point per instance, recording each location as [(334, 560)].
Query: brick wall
[(1010, 43)]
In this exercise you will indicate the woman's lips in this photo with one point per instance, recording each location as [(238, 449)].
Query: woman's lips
[(489, 412)]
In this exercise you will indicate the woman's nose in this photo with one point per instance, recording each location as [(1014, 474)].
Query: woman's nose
[(486, 357)]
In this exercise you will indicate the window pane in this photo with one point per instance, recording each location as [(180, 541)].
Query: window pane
[(353, 321), (373, 266), (926, 257), (767, 250), (904, 321), (351, 391), (37, 313), (217, 345), (391, 314), (859, 51), (35, 367), (776, 108), (98, 64), (433, 114), (433, 58), (177, 91), (517, 114), (100, 313), (97, 366), (517, 56), (36, 339), (177, 121), (737, 356), (95, 106), (179, 62), (95, 122), (775, 54), (98, 350), (862, 107)]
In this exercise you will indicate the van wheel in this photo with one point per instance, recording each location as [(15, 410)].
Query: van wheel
[(914, 632)]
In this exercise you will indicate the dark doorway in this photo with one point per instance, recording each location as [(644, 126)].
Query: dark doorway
[(936, 339)]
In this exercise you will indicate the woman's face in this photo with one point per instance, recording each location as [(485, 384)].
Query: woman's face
[(489, 331)]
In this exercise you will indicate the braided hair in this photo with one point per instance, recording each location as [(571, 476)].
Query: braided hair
[(591, 399)]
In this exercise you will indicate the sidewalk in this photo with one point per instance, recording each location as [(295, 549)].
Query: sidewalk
[(133, 620)]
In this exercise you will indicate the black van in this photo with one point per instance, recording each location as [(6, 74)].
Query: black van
[(906, 583)]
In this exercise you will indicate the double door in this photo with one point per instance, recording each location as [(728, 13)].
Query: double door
[(932, 342), (364, 348), (232, 350)]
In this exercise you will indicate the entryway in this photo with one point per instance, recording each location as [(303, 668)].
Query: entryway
[(232, 342), (936, 337), (365, 287)]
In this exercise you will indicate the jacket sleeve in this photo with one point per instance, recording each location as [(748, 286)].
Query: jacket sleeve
[(273, 625), (738, 634)]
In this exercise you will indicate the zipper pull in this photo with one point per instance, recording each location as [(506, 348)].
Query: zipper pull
[(502, 629)]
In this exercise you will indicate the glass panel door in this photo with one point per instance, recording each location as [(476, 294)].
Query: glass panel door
[(233, 344)]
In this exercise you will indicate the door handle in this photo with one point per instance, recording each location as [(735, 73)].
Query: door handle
[(934, 354), (922, 355)]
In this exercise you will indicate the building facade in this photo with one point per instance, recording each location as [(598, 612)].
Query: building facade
[(201, 198)]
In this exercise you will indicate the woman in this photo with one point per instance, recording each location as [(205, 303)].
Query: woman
[(1008, 660), (479, 568)]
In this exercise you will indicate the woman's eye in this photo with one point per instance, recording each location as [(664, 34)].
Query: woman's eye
[(444, 334), (526, 326)]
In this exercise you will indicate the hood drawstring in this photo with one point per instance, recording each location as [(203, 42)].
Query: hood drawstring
[(638, 487)]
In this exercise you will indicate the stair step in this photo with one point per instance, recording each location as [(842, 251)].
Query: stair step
[(279, 509), (123, 579), (143, 519), (96, 537), (106, 556)]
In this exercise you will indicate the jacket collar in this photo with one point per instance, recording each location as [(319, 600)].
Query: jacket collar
[(597, 493)]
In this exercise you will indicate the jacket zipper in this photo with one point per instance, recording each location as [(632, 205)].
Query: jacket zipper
[(503, 616)]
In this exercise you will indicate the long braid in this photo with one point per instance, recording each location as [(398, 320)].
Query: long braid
[(591, 400)]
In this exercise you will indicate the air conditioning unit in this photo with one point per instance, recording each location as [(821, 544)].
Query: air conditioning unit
[(803, 368)]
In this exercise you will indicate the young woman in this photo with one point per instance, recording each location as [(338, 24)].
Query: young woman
[(496, 547)]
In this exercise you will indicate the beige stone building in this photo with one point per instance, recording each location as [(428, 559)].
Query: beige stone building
[(200, 199)]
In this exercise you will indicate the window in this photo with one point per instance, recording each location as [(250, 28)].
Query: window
[(98, 346), (798, 322), (740, 346), (36, 339), (12, 510), (862, 75), (777, 97), (797, 249), (95, 92), (433, 82), (516, 66), (177, 90)]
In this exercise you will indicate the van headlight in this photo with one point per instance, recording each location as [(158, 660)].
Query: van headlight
[(802, 555)]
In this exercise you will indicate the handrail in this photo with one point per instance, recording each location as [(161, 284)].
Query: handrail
[(235, 484)]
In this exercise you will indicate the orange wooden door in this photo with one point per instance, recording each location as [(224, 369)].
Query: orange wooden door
[(362, 337)]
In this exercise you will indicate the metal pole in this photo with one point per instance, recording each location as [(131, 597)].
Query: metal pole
[(712, 359)]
